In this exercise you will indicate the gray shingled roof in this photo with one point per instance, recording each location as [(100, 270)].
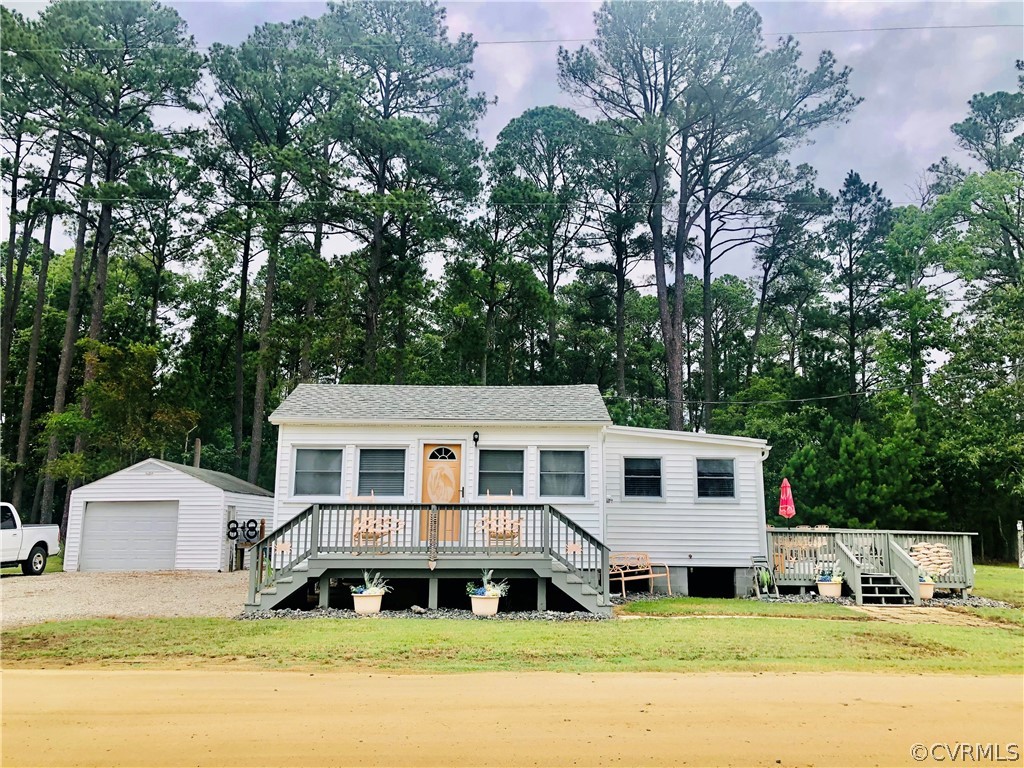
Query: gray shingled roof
[(221, 480), (356, 403)]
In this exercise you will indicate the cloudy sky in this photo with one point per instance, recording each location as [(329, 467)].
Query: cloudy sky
[(915, 83)]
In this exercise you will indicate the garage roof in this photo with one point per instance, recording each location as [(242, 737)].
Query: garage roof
[(221, 480), (384, 403)]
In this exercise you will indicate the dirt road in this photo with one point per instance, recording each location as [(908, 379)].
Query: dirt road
[(215, 717)]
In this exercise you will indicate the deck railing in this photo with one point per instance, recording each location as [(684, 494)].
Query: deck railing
[(430, 531), (798, 554), (905, 570)]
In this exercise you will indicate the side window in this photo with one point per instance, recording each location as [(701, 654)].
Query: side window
[(642, 477), (6, 519), (716, 479)]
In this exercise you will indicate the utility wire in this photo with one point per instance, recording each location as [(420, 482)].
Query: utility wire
[(817, 398), (549, 41), (768, 34)]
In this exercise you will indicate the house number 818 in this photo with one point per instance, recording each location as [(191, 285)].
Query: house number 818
[(249, 531)]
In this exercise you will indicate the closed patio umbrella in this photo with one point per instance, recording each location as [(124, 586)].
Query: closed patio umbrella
[(786, 506)]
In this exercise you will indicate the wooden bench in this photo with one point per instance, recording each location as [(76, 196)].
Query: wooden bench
[(630, 566)]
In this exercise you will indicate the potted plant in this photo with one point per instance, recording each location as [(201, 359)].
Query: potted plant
[(926, 587), (485, 597), (367, 596), (830, 582)]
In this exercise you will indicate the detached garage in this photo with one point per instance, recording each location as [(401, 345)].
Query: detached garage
[(160, 516)]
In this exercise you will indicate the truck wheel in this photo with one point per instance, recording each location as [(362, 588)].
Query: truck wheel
[(36, 562)]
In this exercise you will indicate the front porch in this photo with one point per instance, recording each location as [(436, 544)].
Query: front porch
[(876, 563), (432, 542)]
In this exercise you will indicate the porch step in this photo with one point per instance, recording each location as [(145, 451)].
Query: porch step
[(573, 585), (883, 589)]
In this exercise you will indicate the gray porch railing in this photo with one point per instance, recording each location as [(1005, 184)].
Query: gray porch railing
[(798, 553), (905, 570), (430, 531), (848, 562)]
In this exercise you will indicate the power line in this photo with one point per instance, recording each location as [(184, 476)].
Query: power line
[(783, 401), (767, 34), (412, 204), (552, 40)]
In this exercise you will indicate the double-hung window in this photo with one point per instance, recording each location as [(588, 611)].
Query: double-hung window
[(382, 471), (563, 473), (716, 479), (318, 472), (501, 473), (642, 478)]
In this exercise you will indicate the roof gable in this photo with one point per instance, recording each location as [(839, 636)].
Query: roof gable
[(385, 403)]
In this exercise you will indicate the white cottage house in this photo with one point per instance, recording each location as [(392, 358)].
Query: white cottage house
[(693, 501)]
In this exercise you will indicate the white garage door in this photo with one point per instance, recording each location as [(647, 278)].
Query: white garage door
[(129, 536)]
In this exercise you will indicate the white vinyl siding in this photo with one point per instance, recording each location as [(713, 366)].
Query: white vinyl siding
[(530, 439), (382, 471), (318, 472), (501, 472), (563, 473), (680, 529)]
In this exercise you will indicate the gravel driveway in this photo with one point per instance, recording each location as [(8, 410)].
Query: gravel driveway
[(59, 596)]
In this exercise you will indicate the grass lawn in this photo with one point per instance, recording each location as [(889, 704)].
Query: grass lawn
[(1000, 582), (700, 606), (53, 565), (411, 645)]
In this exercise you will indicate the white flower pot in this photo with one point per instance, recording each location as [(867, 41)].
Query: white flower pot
[(927, 589), (830, 588), (367, 603), (484, 605)]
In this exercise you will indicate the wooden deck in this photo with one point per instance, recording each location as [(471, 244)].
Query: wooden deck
[(430, 541), (798, 554)]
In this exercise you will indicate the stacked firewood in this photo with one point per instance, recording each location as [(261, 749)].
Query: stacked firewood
[(934, 559)]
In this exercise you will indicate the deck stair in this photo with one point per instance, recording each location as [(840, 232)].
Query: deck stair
[(317, 545), (883, 589)]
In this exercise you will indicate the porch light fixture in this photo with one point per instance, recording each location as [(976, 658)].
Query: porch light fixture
[(476, 438)]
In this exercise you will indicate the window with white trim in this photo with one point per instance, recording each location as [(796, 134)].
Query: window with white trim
[(642, 477), (382, 471), (716, 479), (563, 473), (317, 472), (501, 473)]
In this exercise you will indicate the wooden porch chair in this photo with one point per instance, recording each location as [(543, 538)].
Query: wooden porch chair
[(374, 529), (501, 528)]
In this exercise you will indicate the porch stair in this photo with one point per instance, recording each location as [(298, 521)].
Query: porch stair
[(574, 586), (883, 589)]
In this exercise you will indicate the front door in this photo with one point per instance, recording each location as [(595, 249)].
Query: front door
[(442, 484)]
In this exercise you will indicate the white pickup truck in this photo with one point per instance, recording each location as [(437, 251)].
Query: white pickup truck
[(25, 545)]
